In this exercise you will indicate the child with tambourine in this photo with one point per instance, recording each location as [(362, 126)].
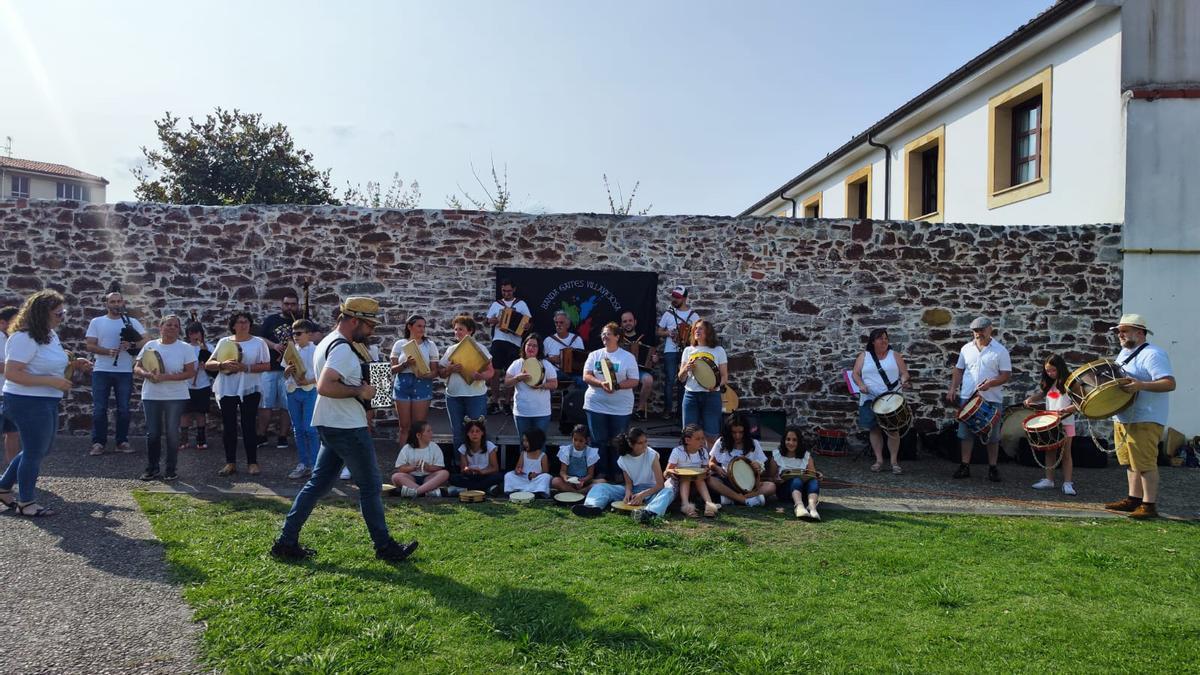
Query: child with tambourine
[(478, 463), (1053, 391), (532, 473), (578, 462), (797, 474), (690, 454)]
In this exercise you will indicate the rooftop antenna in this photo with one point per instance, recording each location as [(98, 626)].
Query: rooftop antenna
[(8, 146)]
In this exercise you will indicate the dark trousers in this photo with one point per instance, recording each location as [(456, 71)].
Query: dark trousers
[(247, 408)]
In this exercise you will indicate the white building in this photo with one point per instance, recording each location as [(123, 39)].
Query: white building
[(1088, 113), (42, 180)]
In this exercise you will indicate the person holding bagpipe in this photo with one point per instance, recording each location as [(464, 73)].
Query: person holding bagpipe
[(115, 338)]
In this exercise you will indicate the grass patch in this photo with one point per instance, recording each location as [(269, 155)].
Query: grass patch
[(496, 588)]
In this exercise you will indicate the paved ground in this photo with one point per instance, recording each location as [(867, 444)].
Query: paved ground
[(87, 591)]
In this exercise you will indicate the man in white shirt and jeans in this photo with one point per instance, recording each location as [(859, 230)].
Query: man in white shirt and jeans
[(340, 418), (983, 367), (112, 372)]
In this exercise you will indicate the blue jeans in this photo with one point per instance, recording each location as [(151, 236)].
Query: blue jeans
[(354, 449), (604, 428), (804, 486), (671, 362), (703, 408), (526, 423), (603, 494), (37, 422), (300, 411), (458, 407), (162, 416), (104, 384)]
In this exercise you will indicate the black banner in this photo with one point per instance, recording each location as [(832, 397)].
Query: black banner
[(591, 298)]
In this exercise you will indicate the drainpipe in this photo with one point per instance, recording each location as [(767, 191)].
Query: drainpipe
[(887, 176), (787, 198)]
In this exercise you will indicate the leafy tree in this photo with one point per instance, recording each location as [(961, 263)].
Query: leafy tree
[(230, 157), (621, 206), (397, 196)]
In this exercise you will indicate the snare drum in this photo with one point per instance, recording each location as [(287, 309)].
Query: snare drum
[(979, 416), (1044, 431), (1096, 389), (892, 413)]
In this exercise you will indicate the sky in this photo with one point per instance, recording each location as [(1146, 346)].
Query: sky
[(709, 105)]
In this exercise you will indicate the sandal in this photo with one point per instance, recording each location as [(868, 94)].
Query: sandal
[(876, 467), (33, 510), (7, 500), (253, 470), (228, 470), (710, 509), (896, 469), (688, 510)]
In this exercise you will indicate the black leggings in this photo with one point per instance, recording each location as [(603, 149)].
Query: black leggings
[(248, 406)]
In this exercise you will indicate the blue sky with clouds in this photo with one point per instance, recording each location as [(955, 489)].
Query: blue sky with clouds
[(709, 104)]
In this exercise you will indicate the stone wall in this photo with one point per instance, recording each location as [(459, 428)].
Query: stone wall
[(792, 299)]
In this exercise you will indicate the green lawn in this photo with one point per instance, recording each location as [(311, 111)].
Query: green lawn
[(500, 588)]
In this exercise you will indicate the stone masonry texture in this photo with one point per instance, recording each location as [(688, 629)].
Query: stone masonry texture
[(792, 299)]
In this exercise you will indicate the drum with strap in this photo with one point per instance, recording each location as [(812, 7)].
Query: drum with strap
[(1096, 389), (979, 415), (892, 413), (1044, 431)]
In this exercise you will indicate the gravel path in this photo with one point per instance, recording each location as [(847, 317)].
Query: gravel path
[(87, 590)]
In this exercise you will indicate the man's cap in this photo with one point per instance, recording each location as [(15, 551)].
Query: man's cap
[(679, 292), (360, 307), (1135, 320), (980, 323)]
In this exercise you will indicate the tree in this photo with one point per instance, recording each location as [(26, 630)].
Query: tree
[(621, 206), (498, 198), (230, 157), (396, 197)]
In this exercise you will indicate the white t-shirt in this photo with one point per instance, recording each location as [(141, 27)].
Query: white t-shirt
[(639, 470), (1150, 364), (670, 320), (202, 378), (527, 401), (525, 463), (717, 354), (494, 311), (430, 454), (307, 354), (876, 387), (108, 335), (1056, 400), (790, 463), (565, 453), (47, 359), (620, 402), (553, 347), (978, 366), (681, 459), (427, 348), (455, 384), (339, 413), (479, 460), (254, 351), (175, 358), (724, 458)]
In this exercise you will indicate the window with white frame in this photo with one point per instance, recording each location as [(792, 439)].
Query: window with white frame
[(20, 186), (72, 191)]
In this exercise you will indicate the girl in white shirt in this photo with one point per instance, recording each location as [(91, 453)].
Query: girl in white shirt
[(1053, 391), (643, 485), (34, 383), (532, 473), (419, 470), (195, 412), (690, 454), (478, 464), (239, 392), (531, 400), (736, 441), (577, 460), (802, 481), (702, 406), (412, 391)]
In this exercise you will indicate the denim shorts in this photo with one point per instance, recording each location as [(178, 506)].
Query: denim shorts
[(866, 417), (274, 391), (409, 387)]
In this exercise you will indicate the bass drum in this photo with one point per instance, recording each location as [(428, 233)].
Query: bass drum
[(1011, 431)]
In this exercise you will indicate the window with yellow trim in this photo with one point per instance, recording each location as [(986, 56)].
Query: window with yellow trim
[(1019, 141), (858, 193), (925, 177), (811, 207)]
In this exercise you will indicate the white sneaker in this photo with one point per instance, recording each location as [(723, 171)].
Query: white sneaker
[(812, 513), (1044, 484), (756, 501), (299, 472), (1069, 488), (406, 491), (726, 501), (801, 512), (345, 474)]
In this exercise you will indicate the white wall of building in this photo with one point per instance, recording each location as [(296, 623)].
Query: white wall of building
[(42, 187)]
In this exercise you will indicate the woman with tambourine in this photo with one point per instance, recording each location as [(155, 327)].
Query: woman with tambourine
[(165, 366), (241, 359), (36, 375), (534, 378), (885, 372), (611, 374), (704, 370)]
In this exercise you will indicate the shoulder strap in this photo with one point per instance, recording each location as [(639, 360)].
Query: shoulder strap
[(1133, 355), (559, 341), (341, 341), (878, 366)]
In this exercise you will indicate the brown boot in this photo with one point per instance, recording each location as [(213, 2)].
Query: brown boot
[(1127, 504), (1145, 510)]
